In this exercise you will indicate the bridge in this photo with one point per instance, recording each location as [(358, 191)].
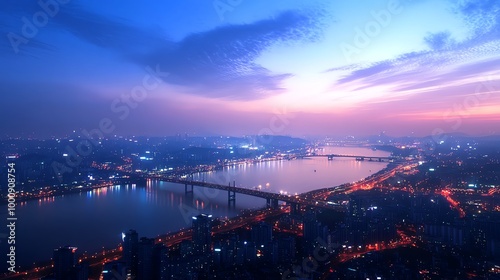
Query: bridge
[(360, 158), (295, 201)]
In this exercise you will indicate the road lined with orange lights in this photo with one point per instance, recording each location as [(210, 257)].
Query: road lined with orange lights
[(349, 254), (319, 197), (364, 184), (446, 193), (97, 260)]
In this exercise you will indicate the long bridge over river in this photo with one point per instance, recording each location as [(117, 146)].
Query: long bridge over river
[(295, 201), (360, 157)]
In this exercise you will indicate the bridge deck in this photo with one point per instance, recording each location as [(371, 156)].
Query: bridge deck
[(351, 156), (267, 195)]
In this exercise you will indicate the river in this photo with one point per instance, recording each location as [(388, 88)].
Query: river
[(95, 219)]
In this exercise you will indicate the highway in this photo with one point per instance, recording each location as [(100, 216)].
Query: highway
[(298, 199), (97, 260), (405, 239), (317, 198), (364, 184)]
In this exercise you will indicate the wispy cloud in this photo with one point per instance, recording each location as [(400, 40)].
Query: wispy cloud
[(217, 63), (446, 65), (482, 16), (221, 62), (440, 40), (96, 29)]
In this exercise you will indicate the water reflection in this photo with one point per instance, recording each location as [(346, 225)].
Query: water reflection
[(96, 218), (295, 176)]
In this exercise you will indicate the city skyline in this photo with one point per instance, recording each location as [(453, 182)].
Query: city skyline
[(250, 139), (380, 208), (250, 67)]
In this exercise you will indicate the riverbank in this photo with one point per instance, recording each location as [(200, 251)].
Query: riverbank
[(72, 219)]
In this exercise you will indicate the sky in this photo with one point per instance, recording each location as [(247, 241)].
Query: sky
[(241, 67)]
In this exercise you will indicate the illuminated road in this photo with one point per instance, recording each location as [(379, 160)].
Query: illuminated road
[(349, 254), (361, 157), (96, 261), (446, 193), (317, 198), (298, 199), (365, 184)]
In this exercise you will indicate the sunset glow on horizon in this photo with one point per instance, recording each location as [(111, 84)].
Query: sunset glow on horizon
[(242, 67)]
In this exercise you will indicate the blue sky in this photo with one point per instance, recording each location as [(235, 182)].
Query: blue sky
[(246, 67)]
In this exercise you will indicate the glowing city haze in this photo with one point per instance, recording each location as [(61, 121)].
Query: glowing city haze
[(246, 67)]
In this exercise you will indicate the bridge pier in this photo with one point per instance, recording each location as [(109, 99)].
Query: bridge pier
[(231, 198), (186, 189), (271, 202)]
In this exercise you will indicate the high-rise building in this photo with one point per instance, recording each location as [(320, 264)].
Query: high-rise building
[(229, 250), (262, 234), (286, 249), (145, 258), (160, 262), (217, 255), (250, 251), (186, 248), (313, 228), (202, 234), (114, 270), (82, 271), (130, 250), (64, 263)]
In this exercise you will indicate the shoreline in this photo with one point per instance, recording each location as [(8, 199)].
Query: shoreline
[(241, 214), (216, 167), (165, 238)]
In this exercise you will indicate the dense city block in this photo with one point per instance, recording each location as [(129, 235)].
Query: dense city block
[(432, 212)]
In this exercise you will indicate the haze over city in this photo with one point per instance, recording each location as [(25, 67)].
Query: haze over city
[(249, 139), (325, 67)]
